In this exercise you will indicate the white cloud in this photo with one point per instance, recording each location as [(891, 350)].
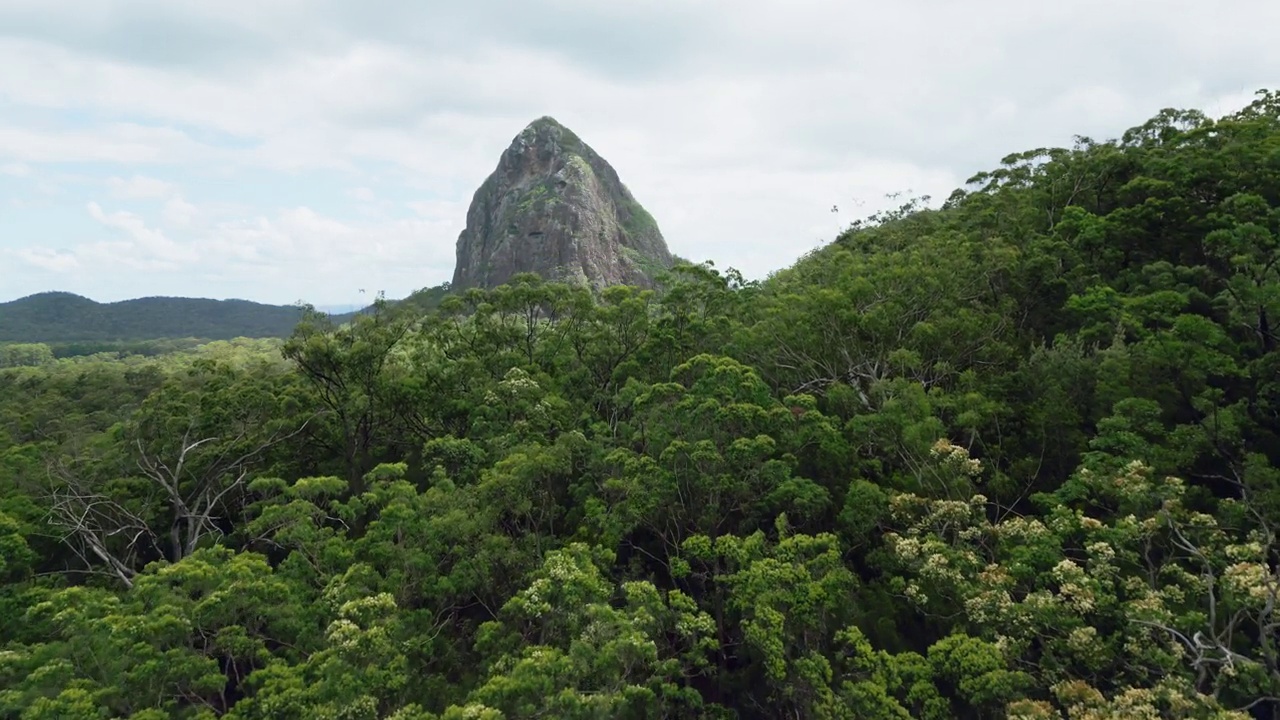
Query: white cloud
[(179, 212), (48, 259), (739, 124), (300, 251), (140, 187), (124, 143), (289, 255), (144, 248), (440, 211)]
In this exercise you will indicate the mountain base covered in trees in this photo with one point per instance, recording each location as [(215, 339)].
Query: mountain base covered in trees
[(1015, 457)]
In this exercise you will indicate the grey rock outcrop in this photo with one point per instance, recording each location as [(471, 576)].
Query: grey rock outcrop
[(554, 207)]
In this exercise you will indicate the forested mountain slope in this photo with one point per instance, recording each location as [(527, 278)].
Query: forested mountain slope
[(1013, 457), (63, 317)]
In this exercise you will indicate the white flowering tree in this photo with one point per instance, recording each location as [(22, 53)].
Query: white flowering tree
[(1120, 597)]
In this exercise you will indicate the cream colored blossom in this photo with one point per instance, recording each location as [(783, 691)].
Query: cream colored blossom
[(1252, 580)]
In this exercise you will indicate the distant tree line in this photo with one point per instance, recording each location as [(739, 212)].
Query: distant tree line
[(1015, 457)]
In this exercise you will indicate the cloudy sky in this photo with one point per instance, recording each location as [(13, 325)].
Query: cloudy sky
[(279, 150)]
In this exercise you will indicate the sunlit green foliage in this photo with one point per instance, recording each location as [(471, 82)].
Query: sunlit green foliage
[(1017, 456)]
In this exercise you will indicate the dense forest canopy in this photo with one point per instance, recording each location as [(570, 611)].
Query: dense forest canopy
[(1012, 457)]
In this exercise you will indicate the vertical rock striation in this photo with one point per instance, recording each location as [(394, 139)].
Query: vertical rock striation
[(556, 208)]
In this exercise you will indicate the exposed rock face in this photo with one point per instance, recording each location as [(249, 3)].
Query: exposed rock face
[(556, 208)]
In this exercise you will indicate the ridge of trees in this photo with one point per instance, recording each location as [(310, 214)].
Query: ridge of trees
[(1014, 457)]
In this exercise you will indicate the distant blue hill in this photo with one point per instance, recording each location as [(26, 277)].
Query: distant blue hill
[(65, 317), (62, 317)]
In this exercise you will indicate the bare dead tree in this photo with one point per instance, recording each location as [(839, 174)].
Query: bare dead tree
[(193, 482), (1209, 649), (96, 527)]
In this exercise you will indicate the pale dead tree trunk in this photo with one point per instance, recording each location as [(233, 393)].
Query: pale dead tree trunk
[(1209, 649), (96, 526), (193, 482), (194, 486), (190, 494)]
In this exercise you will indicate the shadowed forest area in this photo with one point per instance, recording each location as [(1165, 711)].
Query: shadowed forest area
[(1013, 457)]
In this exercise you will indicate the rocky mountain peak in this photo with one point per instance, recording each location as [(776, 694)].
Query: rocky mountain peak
[(554, 207)]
